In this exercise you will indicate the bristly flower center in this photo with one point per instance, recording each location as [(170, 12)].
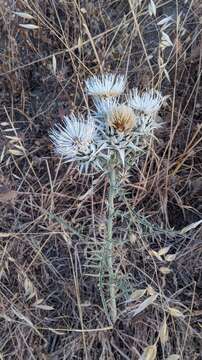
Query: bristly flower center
[(122, 119), (80, 144)]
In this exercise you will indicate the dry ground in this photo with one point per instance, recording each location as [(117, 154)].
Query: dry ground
[(50, 306)]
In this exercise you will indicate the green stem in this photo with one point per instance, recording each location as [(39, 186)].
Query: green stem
[(112, 286)]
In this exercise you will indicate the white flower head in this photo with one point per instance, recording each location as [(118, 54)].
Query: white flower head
[(108, 85), (104, 106), (122, 119), (149, 102), (74, 139)]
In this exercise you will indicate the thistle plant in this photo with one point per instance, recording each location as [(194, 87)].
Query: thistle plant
[(109, 140)]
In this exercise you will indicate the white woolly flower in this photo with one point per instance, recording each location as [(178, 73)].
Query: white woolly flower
[(107, 85), (104, 107), (74, 139), (149, 102)]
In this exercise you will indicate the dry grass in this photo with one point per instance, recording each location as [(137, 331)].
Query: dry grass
[(53, 219)]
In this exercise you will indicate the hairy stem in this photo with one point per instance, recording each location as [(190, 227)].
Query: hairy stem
[(112, 285)]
